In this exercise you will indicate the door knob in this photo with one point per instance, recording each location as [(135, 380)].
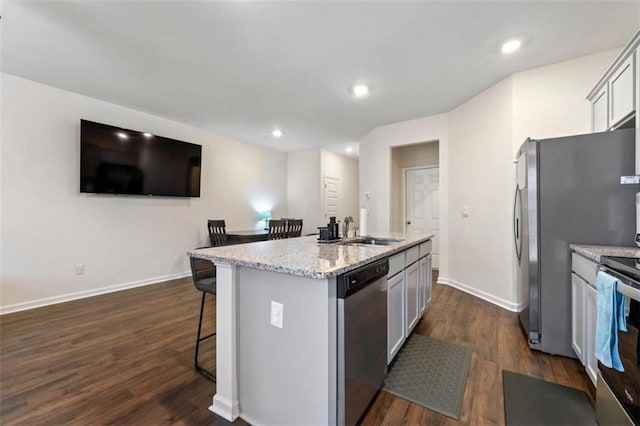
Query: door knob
[(408, 222)]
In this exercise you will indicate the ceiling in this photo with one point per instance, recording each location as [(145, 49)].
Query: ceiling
[(242, 68)]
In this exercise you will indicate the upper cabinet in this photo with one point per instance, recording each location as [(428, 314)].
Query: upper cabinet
[(614, 99)]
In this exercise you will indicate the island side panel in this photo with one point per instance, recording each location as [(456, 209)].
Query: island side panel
[(286, 376)]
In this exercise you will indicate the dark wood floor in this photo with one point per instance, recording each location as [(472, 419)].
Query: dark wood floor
[(127, 358)]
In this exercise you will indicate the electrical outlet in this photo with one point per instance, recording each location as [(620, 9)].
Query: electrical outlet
[(80, 269), (277, 312)]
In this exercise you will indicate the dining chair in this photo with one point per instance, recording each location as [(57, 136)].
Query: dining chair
[(217, 232), (294, 228), (277, 230), (203, 273)]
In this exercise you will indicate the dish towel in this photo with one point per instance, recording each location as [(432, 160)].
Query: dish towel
[(610, 318)]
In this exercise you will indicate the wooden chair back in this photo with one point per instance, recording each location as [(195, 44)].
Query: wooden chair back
[(294, 228), (277, 229), (217, 232)]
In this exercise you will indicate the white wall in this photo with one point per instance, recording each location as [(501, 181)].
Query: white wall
[(345, 169), (480, 181), (478, 140), (305, 171), (375, 171), (48, 226), (303, 189), (551, 101)]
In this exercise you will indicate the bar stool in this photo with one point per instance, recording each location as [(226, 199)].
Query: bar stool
[(204, 278)]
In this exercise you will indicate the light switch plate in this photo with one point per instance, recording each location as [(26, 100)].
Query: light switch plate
[(277, 312)]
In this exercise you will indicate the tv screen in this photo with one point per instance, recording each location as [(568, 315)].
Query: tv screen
[(114, 160)]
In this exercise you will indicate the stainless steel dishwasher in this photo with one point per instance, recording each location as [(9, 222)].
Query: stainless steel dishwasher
[(362, 338)]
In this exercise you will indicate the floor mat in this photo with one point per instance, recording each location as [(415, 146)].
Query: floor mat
[(531, 401), (431, 373)]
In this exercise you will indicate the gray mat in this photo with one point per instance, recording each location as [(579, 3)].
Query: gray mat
[(531, 401), (431, 373)]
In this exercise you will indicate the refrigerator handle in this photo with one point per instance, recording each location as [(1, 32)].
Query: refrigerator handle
[(517, 224)]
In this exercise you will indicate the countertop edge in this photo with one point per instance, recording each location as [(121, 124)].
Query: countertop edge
[(310, 273), (595, 252)]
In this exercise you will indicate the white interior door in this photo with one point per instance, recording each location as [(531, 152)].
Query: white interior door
[(422, 209), (331, 198)]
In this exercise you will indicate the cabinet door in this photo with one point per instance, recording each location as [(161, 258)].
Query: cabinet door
[(600, 111), (395, 315), (622, 91), (578, 312), (411, 297), (422, 287), (591, 363), (429, 278)]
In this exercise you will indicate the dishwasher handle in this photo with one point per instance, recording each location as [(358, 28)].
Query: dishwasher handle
[(356, 280)]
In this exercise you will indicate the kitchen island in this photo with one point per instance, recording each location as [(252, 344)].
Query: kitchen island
[(288, 375)]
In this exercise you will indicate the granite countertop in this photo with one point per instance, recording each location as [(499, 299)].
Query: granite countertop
[(594, 252), (305, 256)]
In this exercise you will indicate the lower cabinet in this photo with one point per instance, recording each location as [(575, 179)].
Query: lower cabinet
[(395, 315), (590, 361), (584, 299), (408, 296), (578, 326), (412, 298)]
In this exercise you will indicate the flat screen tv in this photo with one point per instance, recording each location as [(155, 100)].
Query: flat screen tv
[(114, 160)]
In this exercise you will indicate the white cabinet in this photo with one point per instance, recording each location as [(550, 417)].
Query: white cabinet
[(578, 316), (583, 312), (422, 296), (408, 294), (614, 99), (591, 363), (411, 278), (429, 277), (600, 111), (622, 91), (395, 315)]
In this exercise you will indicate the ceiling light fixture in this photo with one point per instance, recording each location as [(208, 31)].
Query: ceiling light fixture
[(122, 135), (511, 46), (147, 134), (349, 149), (276, 133), (360, 90)]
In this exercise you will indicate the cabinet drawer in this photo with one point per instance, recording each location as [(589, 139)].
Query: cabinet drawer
[(412, 255), (425, 248), (584, 268), (396, 263)]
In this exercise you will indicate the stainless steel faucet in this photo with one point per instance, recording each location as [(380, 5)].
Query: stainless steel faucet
[(345, 226)]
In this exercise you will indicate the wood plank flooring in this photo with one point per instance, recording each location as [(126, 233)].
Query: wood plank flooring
[(127, 358)]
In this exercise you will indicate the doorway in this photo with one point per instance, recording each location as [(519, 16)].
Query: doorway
[(330, 197), (421, 204)]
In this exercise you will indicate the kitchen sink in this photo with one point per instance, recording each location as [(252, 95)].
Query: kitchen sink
[(371, 242)]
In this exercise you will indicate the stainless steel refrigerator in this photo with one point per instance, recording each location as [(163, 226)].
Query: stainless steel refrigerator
[(568, 192)]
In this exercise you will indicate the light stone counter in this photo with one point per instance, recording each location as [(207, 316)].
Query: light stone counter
[(595, 252), (305, 256)]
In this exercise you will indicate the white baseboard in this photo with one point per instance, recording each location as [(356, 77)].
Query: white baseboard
[(88, 293), (513, 307)]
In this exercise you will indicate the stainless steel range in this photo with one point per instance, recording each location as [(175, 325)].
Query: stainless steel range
[(618, 393)]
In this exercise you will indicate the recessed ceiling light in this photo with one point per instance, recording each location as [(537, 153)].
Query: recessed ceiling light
[(276, 133), (147, 134), (360, 90), (511, 46), (122, 135), (349, 149)]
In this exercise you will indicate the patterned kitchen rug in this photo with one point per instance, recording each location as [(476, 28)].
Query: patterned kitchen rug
[(531, 401), (431, 373)]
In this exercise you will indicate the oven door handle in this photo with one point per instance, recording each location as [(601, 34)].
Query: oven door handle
[(625, 286)]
